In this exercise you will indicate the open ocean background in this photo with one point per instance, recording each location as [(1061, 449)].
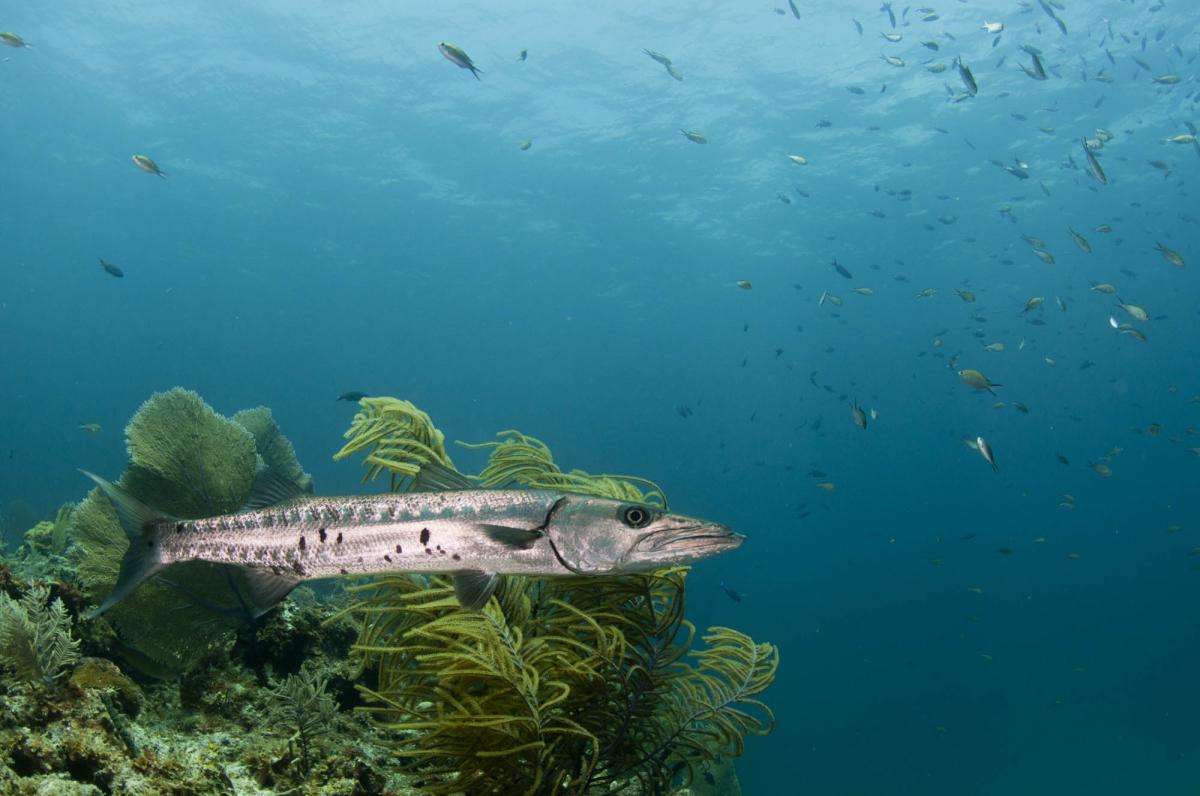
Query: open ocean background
[(347, 210)]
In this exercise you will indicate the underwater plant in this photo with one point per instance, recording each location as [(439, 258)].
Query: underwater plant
[(558, 686), (527, 461), (274, 449), (306, 709), (35, 636), (573, 685), (190, 462), (398, 438)]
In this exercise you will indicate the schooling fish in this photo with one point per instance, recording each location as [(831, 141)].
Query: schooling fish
[(985, 450), (1094, 165), (842, 270), (968, 79), (976, 380), (147, 164), (284, 536), (886, 8), (732, 594), (13, 40), (111, 269), (458, 57), (351, 395), (860, 417)]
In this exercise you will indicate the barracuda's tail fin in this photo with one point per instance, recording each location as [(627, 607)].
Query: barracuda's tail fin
[(141, 524)]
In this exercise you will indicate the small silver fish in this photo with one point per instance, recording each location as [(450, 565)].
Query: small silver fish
[(985, 450), (1094, 165), (968, 79)]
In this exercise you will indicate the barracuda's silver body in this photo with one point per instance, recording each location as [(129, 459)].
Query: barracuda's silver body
[(324, 537), (473, 533)]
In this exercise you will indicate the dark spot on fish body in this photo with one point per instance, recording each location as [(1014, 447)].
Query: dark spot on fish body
[(428, 552), (298, 568), (321, 535), (303, 543), (456, 557), (424, 536), (398, 550), (179, 527), (339, 538), (343, 572), (387, 558)]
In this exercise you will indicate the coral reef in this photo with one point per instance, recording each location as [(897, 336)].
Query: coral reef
[(573, 686), (43, 550), (218, 730)]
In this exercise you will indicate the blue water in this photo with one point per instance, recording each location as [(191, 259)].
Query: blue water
[(347, 210)]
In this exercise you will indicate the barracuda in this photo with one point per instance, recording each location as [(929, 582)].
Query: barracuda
[(284, 537)]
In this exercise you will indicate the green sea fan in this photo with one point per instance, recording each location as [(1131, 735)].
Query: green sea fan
[(35, 636), (274, 449), (187, 461)]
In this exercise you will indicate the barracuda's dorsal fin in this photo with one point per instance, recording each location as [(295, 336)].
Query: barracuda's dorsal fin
[(474, 587), (435, 477), (271, 488)]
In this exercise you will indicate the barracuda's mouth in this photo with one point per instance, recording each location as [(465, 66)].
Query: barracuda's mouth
[(687, 542)]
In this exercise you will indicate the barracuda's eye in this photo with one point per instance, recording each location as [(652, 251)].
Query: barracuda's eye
[(635, 516)]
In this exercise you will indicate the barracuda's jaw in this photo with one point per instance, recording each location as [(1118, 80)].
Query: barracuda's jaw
[(681, 545)]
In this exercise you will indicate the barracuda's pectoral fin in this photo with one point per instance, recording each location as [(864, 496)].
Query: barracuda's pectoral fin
[(265, 589), (435, 477), (516, 538), (474, 587), (271, 488)]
